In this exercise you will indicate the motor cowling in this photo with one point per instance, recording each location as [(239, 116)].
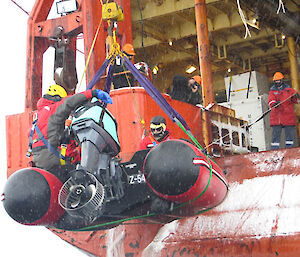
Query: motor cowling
[(178, 171), (30, 197)]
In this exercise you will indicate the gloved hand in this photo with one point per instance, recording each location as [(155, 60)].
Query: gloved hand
[(103, 96), (276, 104)]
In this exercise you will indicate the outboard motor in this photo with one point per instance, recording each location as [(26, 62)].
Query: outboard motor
[(98, 177)]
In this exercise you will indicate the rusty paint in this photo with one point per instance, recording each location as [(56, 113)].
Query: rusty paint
[(203, 49), (205, 66)]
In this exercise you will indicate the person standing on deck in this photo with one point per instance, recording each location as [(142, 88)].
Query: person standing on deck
[(282, 99)]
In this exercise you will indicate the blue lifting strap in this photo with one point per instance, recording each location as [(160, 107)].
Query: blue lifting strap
[(41, 137)]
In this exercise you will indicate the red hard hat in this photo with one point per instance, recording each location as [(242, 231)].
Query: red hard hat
[(278, 76)]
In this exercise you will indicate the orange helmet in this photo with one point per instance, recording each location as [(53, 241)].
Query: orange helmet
[(198, 79), (278, 76), (128, 49)]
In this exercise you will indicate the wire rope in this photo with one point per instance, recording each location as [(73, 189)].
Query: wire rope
[(280, 5), (243, 19), (20, 7)]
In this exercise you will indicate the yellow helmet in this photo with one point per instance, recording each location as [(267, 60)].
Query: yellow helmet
[(56, 90)]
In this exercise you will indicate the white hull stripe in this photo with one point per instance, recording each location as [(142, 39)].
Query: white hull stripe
[(202, 162)]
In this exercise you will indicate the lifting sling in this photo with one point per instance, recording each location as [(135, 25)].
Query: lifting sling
[(52, 149)]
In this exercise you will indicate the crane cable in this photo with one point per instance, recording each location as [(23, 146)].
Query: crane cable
[(92, 48), (90, 53), (243, 19), (20, 7), (280, 5), (115, 51)]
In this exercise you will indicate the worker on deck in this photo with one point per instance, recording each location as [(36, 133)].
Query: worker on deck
[(281, 99), (158, 134), (186, 89), (48, 126), (122, 77)]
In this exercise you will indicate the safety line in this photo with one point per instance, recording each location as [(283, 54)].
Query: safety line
[(92, 47), (90, 53), (20, 7), (241, 13)]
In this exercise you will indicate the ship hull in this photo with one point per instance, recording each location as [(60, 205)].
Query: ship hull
[(258, 217)]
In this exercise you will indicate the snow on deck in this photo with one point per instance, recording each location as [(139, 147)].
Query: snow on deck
[(258, 207)]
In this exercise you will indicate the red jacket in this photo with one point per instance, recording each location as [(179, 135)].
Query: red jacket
[(52, 115), (284, 114), (149, 141)]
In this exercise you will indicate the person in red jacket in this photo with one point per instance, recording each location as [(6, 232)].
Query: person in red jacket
[(159, 133), (282, 99), (48, 127)]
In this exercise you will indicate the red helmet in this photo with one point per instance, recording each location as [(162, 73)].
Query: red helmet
[(278, 76)]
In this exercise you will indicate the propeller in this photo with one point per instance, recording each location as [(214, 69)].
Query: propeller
[(81, 191)]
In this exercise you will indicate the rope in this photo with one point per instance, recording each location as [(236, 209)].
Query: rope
[(90, 53), (229, 89), (248, 87), (243, 19), (92, 47), (196, 198), (280, 4), (20, 7), (142, 29)]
